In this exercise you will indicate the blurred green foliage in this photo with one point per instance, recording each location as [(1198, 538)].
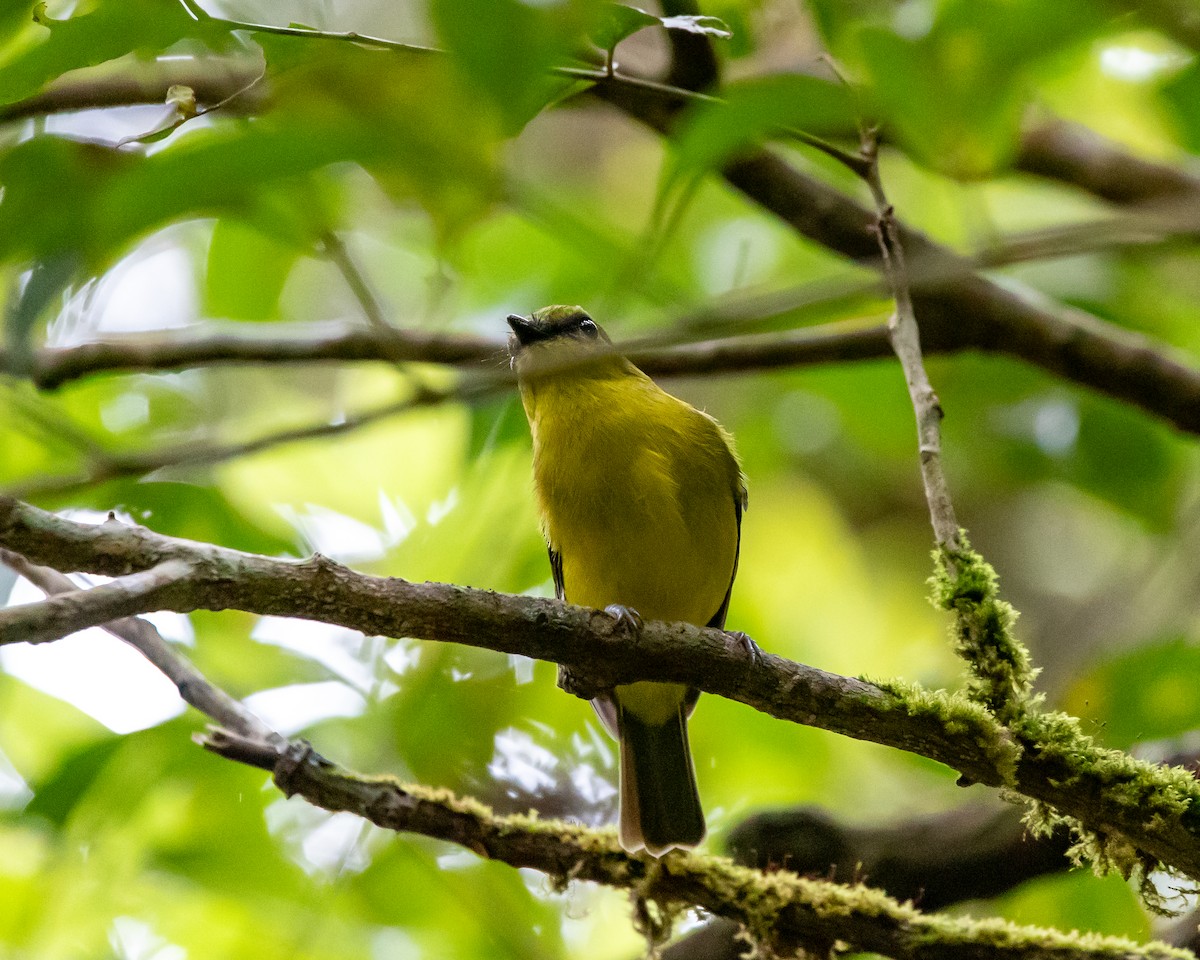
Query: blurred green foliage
[(473, 184)]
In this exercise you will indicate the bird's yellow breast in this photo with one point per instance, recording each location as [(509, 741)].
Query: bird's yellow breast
[(638, 493)]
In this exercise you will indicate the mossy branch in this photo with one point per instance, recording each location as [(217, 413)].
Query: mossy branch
[(964, 584), (782, 911), (1148, 808)]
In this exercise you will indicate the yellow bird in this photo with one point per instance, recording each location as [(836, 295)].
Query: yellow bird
[(641, 500)]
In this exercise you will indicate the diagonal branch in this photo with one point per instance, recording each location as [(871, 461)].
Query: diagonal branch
[(144, 637), (1071, 153), (335, 249), (906, 341), (957, 305), (960, 309), (1142, 806), (79, 609)]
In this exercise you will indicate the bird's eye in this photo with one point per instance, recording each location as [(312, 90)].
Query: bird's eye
[(588, 327)]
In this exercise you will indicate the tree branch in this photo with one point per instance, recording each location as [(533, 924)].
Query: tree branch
[(972, 852), (1140, 365), (841, 341), (906, 341), (54, 366), (1073, 154), (1137, 805), (785, 912), (68, 612), (957, 306), (959, 309), (144, 637)]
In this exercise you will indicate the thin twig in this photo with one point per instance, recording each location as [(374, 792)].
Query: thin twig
[(81, 608), (906, 341), (971, 309), (199, 14), (339, 255)]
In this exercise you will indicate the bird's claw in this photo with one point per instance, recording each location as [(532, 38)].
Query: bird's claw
[(748, 647), (626, 618)]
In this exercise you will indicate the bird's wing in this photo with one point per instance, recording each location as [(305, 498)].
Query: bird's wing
[(718, 618), (556, 569)]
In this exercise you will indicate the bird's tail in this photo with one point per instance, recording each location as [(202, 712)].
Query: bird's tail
[(660, 805)]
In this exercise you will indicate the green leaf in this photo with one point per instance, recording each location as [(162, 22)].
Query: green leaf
[(505, 49), (47, 282), (245, 272), (616, 22), (1078, 901), (967, 127), (1182, 94), (836, 18), (55, 797), (410, 121), (195, 513), (756, 110), (955, 91), (1135, 464), (1146, 694), (111, 29)]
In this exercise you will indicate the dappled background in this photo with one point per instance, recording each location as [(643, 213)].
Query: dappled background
[(342, 186)]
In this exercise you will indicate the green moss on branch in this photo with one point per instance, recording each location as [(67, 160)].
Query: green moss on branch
[(1002, 674)]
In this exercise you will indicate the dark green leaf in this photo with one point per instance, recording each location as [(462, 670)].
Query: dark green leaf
[(616, 22), (956, 91), (757, 110), (49, 279), (109, 30), (1146, 694), (56, 796), (245, 272), (1182, 94), (505, 49)]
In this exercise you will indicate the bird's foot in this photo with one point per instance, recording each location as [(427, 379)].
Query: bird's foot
[(748, 647), (627, 619)]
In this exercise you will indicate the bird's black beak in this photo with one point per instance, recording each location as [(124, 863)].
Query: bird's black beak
[(526, 331)]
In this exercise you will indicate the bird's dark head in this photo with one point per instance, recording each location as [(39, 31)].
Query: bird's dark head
[(555, 337), (553, 323)]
